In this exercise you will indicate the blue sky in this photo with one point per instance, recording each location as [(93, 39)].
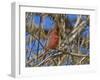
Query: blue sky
[(86, 32), (72, 18), (36, 20), (48, 23)]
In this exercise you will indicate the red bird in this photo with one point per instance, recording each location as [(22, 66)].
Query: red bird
[(53, 40)]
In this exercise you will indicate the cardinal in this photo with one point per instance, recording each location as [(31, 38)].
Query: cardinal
[(53, 40)]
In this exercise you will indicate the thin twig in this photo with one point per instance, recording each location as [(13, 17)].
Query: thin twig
[(81, 60), (78, 21)]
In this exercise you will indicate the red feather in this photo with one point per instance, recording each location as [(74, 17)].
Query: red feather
[(53, 40)]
